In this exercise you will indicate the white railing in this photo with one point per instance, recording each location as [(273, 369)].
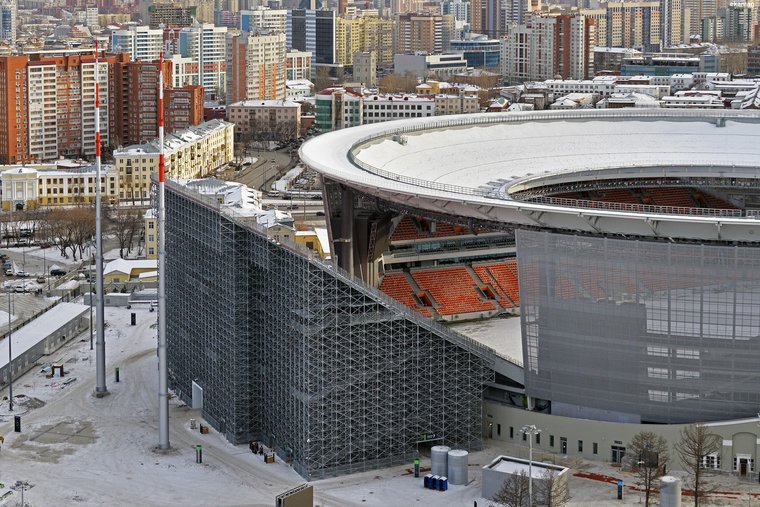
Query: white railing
[(520, 117)]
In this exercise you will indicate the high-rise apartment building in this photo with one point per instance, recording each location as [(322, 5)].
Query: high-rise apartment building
[(48, 105), (628, 25), (140, 42), (184, 108), (671, 23), (547, 46), (263, 18), (14, 141), (362, 33), (61, 105), (8, 20), (423, 32), (137, 101), (298, 65), (206, 44), (171, 15), (314, 31), (256, 66)]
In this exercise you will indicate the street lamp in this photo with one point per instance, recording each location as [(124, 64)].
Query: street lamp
[(10, 353), (530, 430)]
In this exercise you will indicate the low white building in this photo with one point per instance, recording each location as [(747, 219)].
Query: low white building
[(380, 108), (296, 89), (42, 336), (503, 467), (705, 99)]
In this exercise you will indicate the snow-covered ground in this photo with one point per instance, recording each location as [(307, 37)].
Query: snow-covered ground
[(75, 449)]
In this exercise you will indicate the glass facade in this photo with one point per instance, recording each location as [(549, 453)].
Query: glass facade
[(632, 330)]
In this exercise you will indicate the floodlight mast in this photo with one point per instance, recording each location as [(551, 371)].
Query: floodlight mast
[(163, 377), (100, 341)]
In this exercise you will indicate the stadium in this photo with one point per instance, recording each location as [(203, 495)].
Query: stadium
[(624, 240)]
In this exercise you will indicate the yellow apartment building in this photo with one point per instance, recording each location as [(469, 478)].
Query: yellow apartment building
[(191, 153)]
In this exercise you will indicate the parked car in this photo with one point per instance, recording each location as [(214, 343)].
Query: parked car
[(9, 272), (41, 279), (57, 272), (320, 213), (23, 273)]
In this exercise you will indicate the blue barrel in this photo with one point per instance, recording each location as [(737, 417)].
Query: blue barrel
[(443, 484), (426, 480), (434, 481)]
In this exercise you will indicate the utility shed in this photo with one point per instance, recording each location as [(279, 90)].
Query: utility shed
[(44, 335)]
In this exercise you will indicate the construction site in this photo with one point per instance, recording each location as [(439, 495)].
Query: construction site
[(333, 375)]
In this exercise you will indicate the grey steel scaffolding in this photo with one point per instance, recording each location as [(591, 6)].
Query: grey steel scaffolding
[(648, 331), (294, 352)]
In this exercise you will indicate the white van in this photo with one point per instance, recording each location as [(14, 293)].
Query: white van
[(273, 193)]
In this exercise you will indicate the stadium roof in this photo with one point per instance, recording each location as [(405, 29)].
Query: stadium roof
[(470, 165)]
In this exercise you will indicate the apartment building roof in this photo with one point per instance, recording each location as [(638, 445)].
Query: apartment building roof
[(174, 142)]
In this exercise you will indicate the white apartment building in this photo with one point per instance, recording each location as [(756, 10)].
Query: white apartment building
[(88, 105), (184, 71), (266, 67), (528, 51), (44, 88), (263, 19), (141, 42), (677, 82), (380, 108), (655, 91), (562, 87), (298, 64), (206, 45), (191, 153)]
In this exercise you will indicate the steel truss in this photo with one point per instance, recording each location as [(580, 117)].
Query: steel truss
[(292, 351)]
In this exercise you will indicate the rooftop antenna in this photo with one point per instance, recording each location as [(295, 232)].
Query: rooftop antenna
[(100, 341), (163, 377)]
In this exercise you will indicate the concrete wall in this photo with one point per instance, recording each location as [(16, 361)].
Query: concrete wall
[(740, 437)]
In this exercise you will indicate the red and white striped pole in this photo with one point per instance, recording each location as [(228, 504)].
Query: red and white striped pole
[(163, 377), (100, 338)]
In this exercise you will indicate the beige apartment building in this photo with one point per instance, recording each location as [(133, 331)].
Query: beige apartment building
[(30, 187), (274, 120), (191, 153)]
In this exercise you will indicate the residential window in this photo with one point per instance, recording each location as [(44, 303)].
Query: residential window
[(511, 432), (551, 440), (580, 445), (595, 448)]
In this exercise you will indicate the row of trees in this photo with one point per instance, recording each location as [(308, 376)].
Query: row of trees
[(72, 229), (646, 457)]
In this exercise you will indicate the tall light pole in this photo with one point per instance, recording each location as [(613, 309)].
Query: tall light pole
[(530, 430), (163, 372), (100, 342), (10, 353)]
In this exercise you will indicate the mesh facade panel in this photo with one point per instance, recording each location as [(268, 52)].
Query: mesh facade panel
[(332, 374), (629, 329)]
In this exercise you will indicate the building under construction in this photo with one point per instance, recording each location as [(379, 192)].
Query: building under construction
[(296, 353)]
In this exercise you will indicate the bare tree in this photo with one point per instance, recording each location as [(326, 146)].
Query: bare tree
[(694, 445), (514, 491), (125, 226), (552, 490), (646, 456), (73, 228), (398, 83)]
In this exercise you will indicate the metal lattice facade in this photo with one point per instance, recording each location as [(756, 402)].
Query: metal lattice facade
[(292, 351), (640, 330)]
